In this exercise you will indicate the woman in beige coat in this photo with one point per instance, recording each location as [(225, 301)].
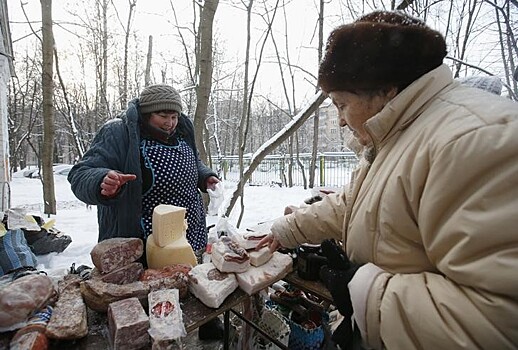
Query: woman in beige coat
[(430, 218)]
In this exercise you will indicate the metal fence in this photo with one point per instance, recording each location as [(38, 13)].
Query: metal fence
[(333, 169)]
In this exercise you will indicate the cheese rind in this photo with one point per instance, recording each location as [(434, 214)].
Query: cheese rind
[(177, 252), (168, 223)]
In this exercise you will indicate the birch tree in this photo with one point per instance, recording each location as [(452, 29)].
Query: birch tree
[(316, 120), (204, 85), (123, 88), (49, 197)]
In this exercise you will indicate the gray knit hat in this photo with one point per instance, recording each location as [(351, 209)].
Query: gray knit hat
[(160, 97)]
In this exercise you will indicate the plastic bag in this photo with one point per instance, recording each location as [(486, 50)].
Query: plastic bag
[(216, 199), (222, 228)]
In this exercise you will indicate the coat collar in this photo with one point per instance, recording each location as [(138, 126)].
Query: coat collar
[(408, 105)]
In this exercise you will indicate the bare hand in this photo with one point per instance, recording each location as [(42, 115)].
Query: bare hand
[(113, 181), (327, 191), (211, 182), (270, 241)]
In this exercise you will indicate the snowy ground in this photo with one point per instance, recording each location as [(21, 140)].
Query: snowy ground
[(262, 203)]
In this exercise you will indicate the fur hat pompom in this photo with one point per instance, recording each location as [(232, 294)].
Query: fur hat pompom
[(160, 97), (379, 50)]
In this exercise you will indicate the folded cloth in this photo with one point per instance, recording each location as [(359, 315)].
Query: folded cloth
[(15, 253)]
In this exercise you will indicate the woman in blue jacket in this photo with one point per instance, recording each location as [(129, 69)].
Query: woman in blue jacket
[(145, 157)]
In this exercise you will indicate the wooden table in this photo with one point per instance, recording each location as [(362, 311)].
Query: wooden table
[(195, 314), (316, 288)]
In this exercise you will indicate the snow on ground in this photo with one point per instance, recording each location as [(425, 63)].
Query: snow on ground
[(262, 203)]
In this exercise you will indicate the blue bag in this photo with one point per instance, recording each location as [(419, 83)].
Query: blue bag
[(15, 253)]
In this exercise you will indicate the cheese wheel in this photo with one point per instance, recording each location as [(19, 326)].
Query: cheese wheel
[(168, 224), (177, 252)]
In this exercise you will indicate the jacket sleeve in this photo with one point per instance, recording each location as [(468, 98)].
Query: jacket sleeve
[(204, 172), (312, 224), (105, 154), (468, 222)]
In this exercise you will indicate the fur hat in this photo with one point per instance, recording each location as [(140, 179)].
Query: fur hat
[(161, 97), (379, 50)]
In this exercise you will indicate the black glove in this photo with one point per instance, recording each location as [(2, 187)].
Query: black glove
[(336, 275)]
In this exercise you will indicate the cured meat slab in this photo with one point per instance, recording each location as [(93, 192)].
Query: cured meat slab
[(166, 271), (68, 320), (210, 285), (20, 298), (114, 253), (124, 275), (98, 294), (128, 325), (257, 278)]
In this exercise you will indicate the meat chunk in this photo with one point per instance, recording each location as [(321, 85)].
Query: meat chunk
[(114, 253), (20, 298), (128, 325), (166, 271), (98, 294), (68, 319), (124, 275)]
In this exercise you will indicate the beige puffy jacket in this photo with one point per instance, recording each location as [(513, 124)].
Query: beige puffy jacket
[(436, 215)]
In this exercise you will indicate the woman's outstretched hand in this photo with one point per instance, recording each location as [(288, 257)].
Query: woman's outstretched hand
[(269, 241), (212, 181), (113, 181)]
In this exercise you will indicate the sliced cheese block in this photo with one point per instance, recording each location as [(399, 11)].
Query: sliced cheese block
[(210, 285), (165, 318), (257, 278), (168, 224), (260, 257), (228, 256), (177, 252)]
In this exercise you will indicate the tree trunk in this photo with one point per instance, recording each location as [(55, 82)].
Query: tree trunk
[(49, 197), (149, 59), (69, 118), (105, 108), (313, 162), (273, 143), (124, 89), (205, 78)]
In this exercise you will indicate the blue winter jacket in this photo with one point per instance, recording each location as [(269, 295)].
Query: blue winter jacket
[(116, 147)]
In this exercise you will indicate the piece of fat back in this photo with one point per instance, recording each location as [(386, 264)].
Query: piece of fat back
[(165, 319), (260, 257), (258, 278), (210, 285)]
